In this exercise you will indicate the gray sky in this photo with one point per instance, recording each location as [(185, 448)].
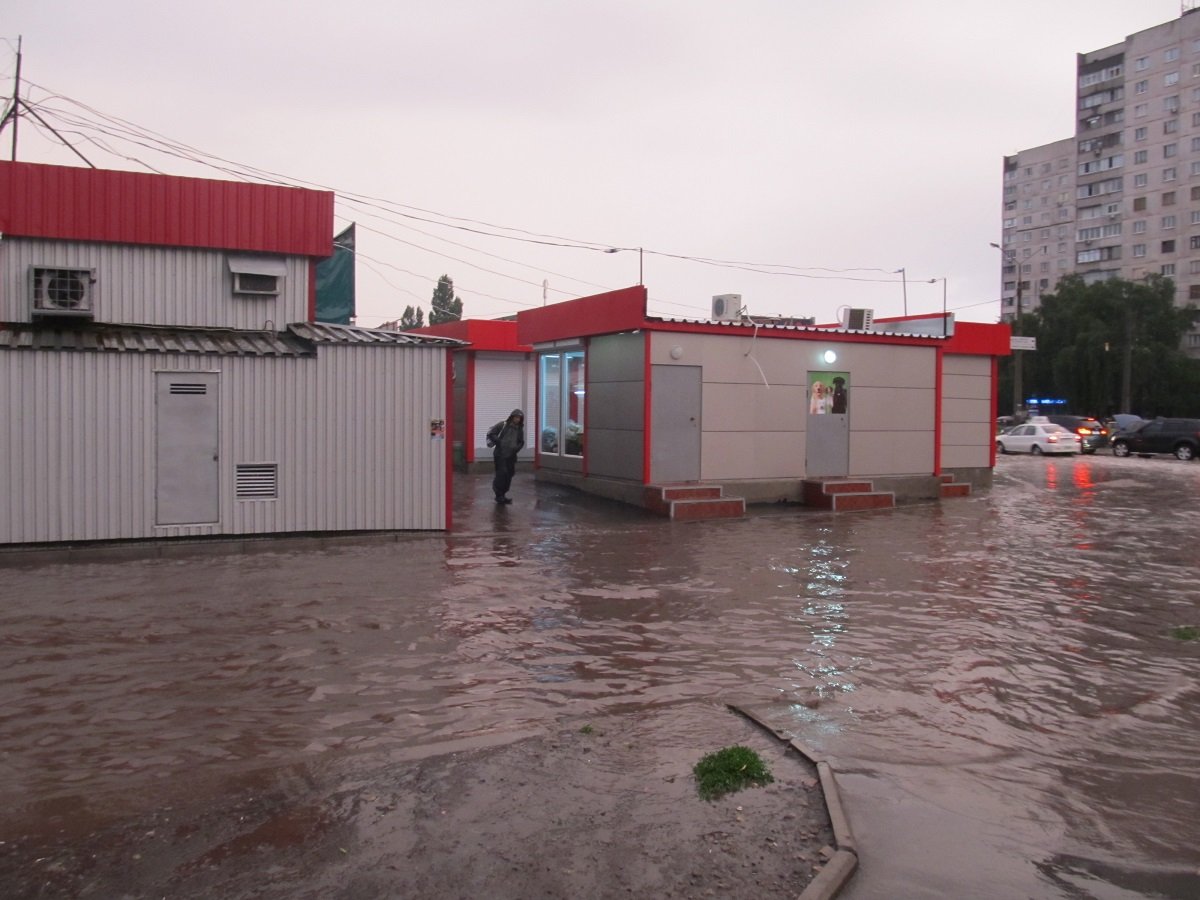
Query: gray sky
[(817, 135)]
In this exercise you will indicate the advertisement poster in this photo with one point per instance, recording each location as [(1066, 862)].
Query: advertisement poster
[(828, 393), (437, 429)]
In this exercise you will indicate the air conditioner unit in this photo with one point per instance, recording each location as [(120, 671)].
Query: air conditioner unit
[(727, 307), (62, 292), (858, 319)]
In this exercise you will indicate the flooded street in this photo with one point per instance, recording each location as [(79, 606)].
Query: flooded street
[(993, 678)]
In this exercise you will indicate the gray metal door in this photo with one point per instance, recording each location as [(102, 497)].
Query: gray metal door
[(675, 424), (186, 465), (827, 443)]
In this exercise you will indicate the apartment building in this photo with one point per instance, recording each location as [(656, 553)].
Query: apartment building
[(1122, 198)]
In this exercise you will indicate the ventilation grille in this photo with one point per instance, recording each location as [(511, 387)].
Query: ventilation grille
[(258, 481), (187, 388)]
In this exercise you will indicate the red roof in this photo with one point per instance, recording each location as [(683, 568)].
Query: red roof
[(482, 334), (77, 204)]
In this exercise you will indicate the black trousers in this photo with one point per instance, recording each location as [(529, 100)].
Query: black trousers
[(506, 467)]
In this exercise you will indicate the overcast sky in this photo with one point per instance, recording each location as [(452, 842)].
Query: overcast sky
[(821, 136)]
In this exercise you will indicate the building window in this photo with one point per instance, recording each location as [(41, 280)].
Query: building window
[(1168, 174), (1140, 156), (1168, 198), (1194, 267), (1171, 54), (1171, 104), (1170, 150), (1194, 293), (1168, 246), (1139, 134), (1171, 79), (1168, 222), (1171, 126), (1196, 216), (1196, 193), (1141, 64), (1194, 243), (1140, 180), (1139, 227), (1168, 270), (1141, 87), (1139, 250), (1139, 204), (1140, 110), (562, 404)]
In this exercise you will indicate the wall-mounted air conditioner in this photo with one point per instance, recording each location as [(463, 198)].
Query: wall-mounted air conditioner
[(858, 319), (62, 292), (727, 307)]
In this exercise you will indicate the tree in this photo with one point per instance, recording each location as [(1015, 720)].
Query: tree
[(1112, 346), (444, 306), (413, 319)]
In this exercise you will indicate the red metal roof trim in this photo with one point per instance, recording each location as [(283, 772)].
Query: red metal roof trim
[(76, 204), (481, 334), (610, 313)]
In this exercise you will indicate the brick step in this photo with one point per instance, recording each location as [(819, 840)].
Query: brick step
[(873, 500), (949, 489), (695, 510)]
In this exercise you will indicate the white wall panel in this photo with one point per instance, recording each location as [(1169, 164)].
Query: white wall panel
[(153, 285)]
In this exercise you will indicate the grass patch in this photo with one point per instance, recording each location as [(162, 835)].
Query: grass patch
[(587, 729), (1186, 632), (725, 771)]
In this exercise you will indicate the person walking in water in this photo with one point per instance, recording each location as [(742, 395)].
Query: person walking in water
[(507, 438)]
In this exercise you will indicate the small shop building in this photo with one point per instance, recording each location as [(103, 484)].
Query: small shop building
[(162, 374), (640, 408)]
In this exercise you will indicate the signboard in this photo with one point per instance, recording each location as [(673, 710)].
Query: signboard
[(1022, 343)]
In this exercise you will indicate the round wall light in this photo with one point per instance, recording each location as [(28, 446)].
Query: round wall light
[(676, 352), (829, 357)]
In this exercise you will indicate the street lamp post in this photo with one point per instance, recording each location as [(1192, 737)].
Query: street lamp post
[(639, 250), (1018, 387)]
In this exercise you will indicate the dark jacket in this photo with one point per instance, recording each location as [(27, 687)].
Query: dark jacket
[(508, 437)]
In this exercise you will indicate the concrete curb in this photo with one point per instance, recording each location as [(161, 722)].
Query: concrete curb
[(837, 872)]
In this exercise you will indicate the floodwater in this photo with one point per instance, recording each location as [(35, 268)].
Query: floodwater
[(994, 678)]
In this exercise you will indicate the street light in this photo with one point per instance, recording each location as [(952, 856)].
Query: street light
[(945, 325), (904, 281), (1018, 360), (639, 250)]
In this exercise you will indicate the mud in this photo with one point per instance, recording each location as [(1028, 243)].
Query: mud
[(601, 809)]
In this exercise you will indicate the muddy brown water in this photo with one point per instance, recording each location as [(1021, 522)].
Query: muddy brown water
[(994, 678)]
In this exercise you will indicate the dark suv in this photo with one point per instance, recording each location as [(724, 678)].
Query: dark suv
[(1093, 434), (1178, 436)]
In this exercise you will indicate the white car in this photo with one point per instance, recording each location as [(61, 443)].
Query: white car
[(1038, 438)]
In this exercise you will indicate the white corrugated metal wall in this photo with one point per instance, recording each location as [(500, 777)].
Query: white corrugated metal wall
[(153, 285), (348, 430)]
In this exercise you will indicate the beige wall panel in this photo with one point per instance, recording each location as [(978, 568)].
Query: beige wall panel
[(967, 434), (618, 405), (753, 407), (895, 453), (977, 366), (733, 454), (966, 410), (890, 409), (966, 457), (968, 387)]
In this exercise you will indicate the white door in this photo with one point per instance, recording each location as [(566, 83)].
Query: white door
[(186, 464), (675, 424)]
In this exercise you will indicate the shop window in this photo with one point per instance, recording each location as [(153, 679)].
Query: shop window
[(562, 403)]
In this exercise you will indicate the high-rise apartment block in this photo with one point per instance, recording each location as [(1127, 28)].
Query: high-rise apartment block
[(1122, 198)]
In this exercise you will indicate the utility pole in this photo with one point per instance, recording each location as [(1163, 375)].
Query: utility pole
[(1018, 387), (1127, 361), (16, 98)]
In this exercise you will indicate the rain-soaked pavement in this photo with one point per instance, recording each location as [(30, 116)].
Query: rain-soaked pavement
[(994, 678)]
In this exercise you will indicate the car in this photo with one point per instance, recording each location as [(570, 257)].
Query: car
[(1178, 436), (1094, 434), (1038, 438)]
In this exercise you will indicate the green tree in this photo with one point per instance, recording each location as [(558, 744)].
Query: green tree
[(413, 318), (444, 306), (1112, 346)]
